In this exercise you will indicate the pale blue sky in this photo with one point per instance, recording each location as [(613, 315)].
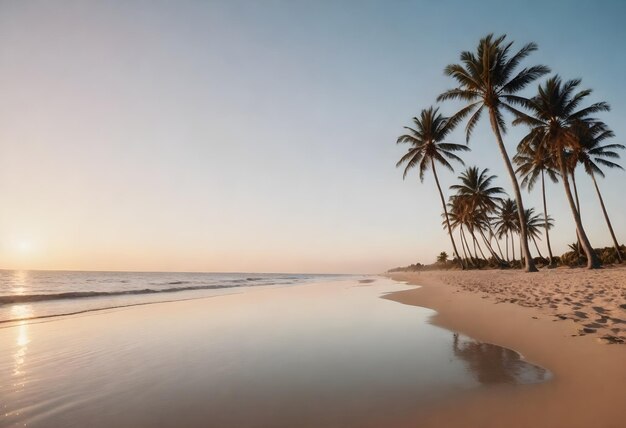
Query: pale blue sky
[(259, 136)]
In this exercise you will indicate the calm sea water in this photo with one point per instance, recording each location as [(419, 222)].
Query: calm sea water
[(37, 294)]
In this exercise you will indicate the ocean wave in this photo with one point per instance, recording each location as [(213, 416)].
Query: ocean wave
[(88, 310), (30, 298)]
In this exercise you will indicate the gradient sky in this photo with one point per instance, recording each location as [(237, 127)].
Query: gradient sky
[(259, 136)]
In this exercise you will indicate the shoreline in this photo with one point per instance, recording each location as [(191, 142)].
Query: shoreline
[(52, 317), (589, 377)]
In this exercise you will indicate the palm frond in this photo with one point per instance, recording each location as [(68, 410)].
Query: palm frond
[(524, 78)]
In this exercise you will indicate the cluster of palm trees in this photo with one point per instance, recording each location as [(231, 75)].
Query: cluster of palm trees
[(487, 215), (562, 135)]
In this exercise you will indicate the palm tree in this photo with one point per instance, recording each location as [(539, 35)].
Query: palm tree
[(573, 247), (473, 220), (427, 147), (534, 162), (555, 118), (534, 223), (458, 216), (476, 187), (592, 152), (476, 190), (483, 223), (486, 81), (506, 223), (442, 257)]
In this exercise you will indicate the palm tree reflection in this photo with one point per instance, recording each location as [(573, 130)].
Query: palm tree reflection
[(493, 364)]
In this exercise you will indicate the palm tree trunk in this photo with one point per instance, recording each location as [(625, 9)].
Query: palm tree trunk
[(530, 266), (606, 217), (464, 239), (489, 247), (445, 210), (463, 246), (521, 254), (476, 258), (492, 235), (545, 217), (473, 244), (592, 258), (513, 246), (506, 245), (536, 246), (576, 193), (580, 254), (477, 243)]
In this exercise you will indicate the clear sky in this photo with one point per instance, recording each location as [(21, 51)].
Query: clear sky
[(259, 135)]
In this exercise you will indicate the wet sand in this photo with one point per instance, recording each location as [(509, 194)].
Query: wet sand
[(320, 355), (514, 310)]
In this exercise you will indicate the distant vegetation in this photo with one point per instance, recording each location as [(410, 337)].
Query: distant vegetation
[(572, 258), (563, 135)]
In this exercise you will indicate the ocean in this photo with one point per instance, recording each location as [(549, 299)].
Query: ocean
[(44, 294)]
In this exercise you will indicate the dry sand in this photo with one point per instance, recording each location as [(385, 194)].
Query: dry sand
[(541, 316), (595, 299)]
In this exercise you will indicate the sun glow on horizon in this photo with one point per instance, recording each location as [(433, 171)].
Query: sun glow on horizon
[(24, 246), (20, 252)]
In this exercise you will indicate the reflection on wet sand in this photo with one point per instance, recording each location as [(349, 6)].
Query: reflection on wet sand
[(19, 312), (13, 386), (22, 342), (491, 364)]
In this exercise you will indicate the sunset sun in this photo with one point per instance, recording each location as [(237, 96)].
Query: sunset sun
[(24, 246)]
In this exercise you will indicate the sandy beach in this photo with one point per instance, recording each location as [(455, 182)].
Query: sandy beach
[(368, 352), (540, 316)]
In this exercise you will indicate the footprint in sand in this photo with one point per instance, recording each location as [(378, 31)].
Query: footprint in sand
[(612, 339), (593, 325)]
